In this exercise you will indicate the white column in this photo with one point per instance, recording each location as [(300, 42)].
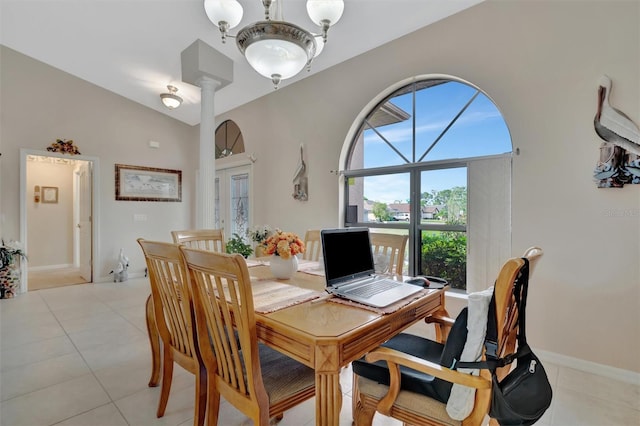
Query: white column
[(206, 189)]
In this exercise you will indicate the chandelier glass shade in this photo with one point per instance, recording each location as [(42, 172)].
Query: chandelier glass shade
[(171, 100), (276, 49)]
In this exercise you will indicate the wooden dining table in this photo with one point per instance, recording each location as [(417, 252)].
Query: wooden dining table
[(325, 334)]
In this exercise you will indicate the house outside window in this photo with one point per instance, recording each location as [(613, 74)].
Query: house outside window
[(431, 159)]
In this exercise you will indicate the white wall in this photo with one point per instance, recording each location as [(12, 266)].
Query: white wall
[(50, 239), (539, 61), (40, 104)]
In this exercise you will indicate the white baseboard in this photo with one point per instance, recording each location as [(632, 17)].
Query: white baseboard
[(456, 300), (50, 267), (109, 278), (590, 367)]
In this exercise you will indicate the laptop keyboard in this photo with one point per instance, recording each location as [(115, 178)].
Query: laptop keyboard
[(374, 288)]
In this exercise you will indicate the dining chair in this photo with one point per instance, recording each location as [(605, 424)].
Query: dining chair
[(408, 378), (208, 239), (205, 239), (312, 245), (533, 254), (389, 248), (443, 323), (173, 314), (257, 380)]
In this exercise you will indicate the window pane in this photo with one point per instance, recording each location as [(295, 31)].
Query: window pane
[(436, 107), (384, 147), (480, 130), (444, 255), (239, 204), (371, 198), (444, 196)]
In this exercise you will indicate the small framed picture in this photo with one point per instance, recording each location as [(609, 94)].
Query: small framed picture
[(50, 194)]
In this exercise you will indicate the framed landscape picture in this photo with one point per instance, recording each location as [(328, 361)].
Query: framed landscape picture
[(136, 183)]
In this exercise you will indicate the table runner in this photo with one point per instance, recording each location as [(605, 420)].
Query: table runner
[(270, 296), (311, 267)]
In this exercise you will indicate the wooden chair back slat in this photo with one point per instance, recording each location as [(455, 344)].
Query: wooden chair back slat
[(170, 292), (224, 310), (312, 244), (204, 239), (391, 246), (170, 308)]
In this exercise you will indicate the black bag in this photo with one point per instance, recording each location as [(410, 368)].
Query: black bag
[(523, 396)]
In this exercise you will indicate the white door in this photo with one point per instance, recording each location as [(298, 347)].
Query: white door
[(233, 200), (85, 222)]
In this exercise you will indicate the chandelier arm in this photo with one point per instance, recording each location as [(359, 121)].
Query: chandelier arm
[(325, 28), (224, 30), (267, 5)]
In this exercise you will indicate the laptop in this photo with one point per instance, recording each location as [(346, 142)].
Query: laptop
[(350, 273)]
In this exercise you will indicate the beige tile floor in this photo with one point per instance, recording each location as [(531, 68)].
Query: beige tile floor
[(79, 356)]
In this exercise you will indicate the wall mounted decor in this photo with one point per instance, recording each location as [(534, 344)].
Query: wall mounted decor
[(49, 194), (300, 182), (619, 161), (64, 146), (136, 183)]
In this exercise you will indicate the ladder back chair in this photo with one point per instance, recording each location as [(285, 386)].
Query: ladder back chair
[(257, 380), (312, 245), (391, 248), (406, 377), (444, 323), (171, 303), (205, 239)]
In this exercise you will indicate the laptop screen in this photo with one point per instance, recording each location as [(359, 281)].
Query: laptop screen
[(347, 254)]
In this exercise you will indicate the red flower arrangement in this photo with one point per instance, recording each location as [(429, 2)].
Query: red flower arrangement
[(283, 244)]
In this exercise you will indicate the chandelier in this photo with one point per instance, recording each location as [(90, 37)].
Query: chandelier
[(275, 48)]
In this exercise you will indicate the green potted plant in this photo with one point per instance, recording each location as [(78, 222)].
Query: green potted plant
[(236, 244), (10, 254), (259, 235)]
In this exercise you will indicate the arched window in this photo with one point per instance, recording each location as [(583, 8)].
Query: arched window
[(229, 139), (431, 159)]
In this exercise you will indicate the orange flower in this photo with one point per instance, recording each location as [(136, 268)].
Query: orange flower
[(284, 244)]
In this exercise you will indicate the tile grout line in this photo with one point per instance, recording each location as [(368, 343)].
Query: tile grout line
[(111, 401)]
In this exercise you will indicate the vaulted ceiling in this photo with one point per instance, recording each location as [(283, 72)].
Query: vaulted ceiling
[(132, 47)]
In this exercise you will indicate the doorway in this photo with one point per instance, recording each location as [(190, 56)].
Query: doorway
[(58, 223)]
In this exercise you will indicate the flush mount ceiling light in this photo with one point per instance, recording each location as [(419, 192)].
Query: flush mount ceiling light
[(171, 100), (275, 48)]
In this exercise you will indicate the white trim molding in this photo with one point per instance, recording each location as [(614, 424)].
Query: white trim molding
[(590, 367)]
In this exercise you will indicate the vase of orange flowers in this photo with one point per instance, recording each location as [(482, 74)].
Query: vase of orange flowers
[(283, 248)]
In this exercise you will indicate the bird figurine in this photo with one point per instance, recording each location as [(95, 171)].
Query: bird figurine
[(123, 259), (613, 125)]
